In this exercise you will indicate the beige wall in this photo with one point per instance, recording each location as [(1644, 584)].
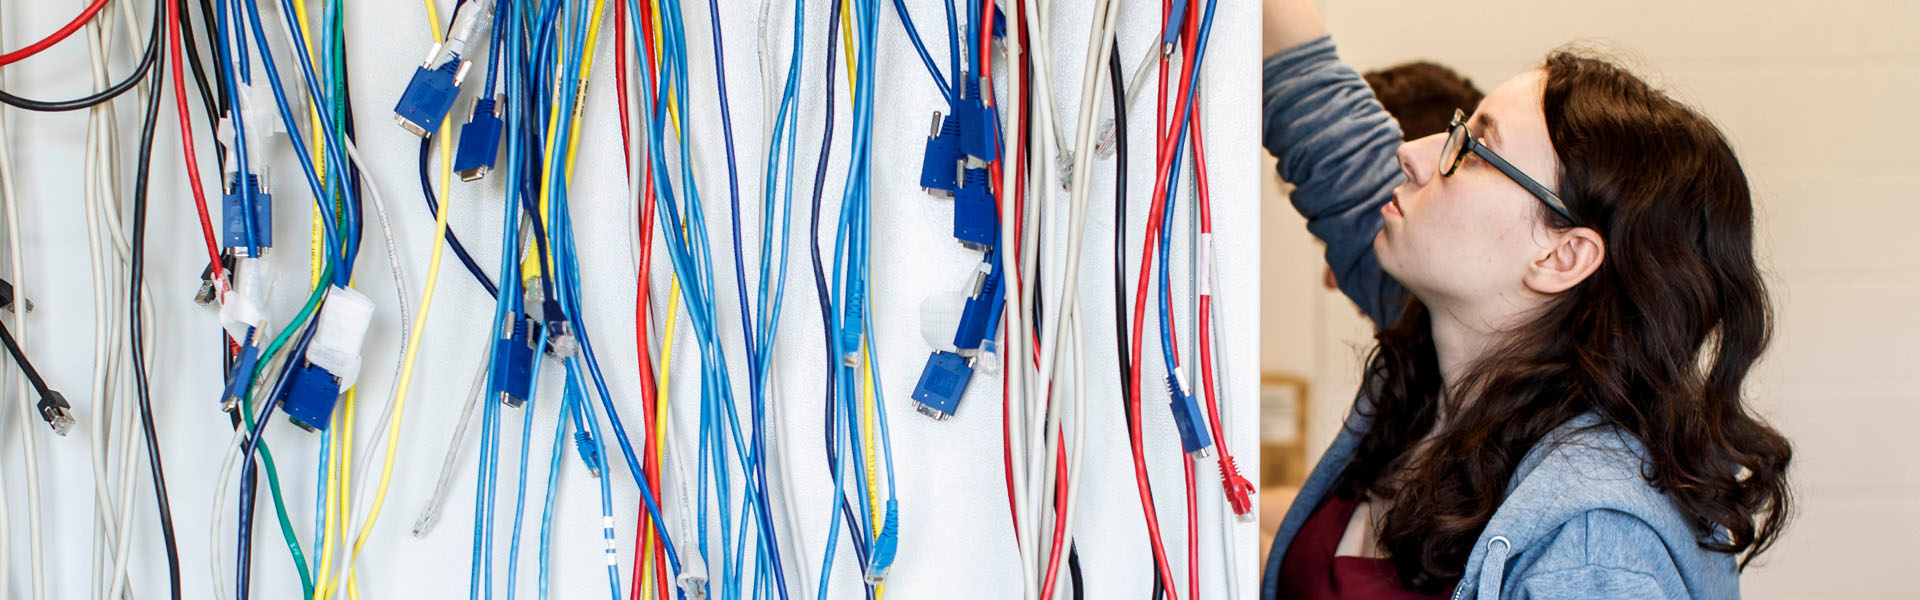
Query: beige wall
[(1822, 102)]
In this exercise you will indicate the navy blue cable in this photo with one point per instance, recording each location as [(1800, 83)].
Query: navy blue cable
[(248, 491), (913, 35)]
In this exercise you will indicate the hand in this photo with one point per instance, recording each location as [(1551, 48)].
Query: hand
[(1289, 23)]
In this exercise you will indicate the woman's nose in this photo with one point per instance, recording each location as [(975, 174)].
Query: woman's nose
[(1419, 159)]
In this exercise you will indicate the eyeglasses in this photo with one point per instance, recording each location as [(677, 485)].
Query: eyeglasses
[(1460, 141)]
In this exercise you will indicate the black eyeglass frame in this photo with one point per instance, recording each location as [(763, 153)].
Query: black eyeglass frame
[(1460, 141)]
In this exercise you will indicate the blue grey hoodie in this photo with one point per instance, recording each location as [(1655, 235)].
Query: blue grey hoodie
[(1579, 520)]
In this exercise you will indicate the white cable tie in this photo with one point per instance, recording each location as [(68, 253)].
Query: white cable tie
[(340, 334), (1206, 264)]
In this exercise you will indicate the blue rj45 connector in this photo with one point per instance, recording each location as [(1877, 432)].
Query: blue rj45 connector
[(942, 382), (976, 222), (234, 215), (854, 318), (941, 164), (479, 142), (429, 96), (310, 397)]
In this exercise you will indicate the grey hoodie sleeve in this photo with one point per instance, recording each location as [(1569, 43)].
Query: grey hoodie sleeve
[(1336, 145)]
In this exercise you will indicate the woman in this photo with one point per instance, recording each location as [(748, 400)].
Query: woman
[(1567, 304)]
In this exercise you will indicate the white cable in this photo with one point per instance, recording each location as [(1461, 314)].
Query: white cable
[(1014, 356), (258, 394), (124, 546), (781, 461), (94, 179), (1078, 453), (28, 442), (1228, 525), (441, 486), (1148, 61), (102, 165), (370, 448)]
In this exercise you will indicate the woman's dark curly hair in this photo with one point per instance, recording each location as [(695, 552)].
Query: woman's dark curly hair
[(1656, 342)]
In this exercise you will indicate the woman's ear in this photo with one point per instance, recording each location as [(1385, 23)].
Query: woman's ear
[(1575, 254)]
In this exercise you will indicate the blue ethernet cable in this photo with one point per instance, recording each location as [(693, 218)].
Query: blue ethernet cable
[(520, 497), (913, 35), (683, 246), (563, 269), (237, 53), (566, 269), (553, 486), (320, 491), (480, 577), (1190, 421), (606, 494), (849, 279), (831, 439), (334, 153), (769, 543), (506, 303), (786, 121)]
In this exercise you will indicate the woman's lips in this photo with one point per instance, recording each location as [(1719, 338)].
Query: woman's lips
[(1392, 207)]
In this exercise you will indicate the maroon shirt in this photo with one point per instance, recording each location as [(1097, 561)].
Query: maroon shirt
[(1310, 571)]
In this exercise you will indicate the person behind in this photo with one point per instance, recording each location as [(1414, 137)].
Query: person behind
[(1421, 96), (1567, 306)]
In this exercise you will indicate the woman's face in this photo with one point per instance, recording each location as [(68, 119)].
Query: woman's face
[(1472, 236)]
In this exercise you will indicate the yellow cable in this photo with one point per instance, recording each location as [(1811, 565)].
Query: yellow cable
[(660, 395), (413, 338), (846, 41), (866, 418), (666, 339), (873, 483)]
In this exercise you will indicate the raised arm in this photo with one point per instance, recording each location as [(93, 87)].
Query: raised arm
[(1336, 145)]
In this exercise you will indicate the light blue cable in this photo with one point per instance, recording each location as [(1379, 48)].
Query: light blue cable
[(553, 486)]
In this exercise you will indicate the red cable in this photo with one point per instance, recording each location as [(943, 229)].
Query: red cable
[(648, 383), (985, 54), (186, 137), (1193, 531), (72, 26), (1060, 510), (640, 529), (1012, 155), (1238, 489), (1164, 166), (647, 217)]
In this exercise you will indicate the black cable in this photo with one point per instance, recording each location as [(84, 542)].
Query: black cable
[(453, 241), (210, 20), (1073, 572), (20, 357), (140, 180), (53, 407), (147, 61), (192, 58), (1120, 256)]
